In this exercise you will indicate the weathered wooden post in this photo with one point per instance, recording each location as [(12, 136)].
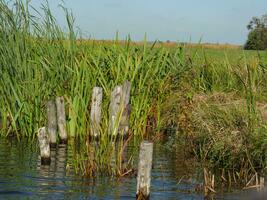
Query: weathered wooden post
[(125, 118), (120, 109), (95, 115), (44, 145), (52, 122), (144, 170), (114, 110), (261, 186), (61, 119)]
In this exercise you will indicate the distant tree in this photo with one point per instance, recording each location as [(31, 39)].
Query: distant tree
[(257, 37)]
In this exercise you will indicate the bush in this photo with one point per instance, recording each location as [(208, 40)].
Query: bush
[(257, 37)]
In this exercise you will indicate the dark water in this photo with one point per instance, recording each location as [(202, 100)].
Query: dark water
[(22, 176)]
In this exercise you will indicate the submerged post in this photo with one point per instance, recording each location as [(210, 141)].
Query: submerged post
[(95, 115), (125, 118), (144, 170), (114, 110), (52, 122), (61, 119), (43, 139)]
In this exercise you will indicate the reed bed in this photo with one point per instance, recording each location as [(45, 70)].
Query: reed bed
[(39, 62), (172, 88)]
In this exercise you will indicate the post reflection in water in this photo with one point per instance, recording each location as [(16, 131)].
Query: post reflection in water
[(52, 177), (57, 168), (23, 177)]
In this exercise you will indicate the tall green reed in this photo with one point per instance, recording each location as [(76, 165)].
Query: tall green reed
[(39, 61)]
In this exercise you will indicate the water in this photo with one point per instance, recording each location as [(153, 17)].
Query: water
[(22, 176)]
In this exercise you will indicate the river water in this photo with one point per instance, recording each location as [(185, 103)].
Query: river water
[(22, 176)]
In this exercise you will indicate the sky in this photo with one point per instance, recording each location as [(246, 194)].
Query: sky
[(213, 21)]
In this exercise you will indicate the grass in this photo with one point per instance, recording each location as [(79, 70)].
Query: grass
[(218, 112), (39, 62), (213, 96)]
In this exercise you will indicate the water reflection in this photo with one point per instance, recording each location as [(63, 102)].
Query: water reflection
[(52, 177), (23, 177)]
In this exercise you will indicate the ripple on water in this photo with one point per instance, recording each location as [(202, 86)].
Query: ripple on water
[(22, 177)]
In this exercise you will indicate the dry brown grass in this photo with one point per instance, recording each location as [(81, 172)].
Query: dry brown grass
[(165, 44), (213, 46), (215, 126)]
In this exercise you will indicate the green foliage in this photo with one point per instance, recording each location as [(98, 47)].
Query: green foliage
[(39, 61), (257, 37), (218, 109)]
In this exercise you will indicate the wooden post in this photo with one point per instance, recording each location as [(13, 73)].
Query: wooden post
[(125, 118), (61, 120), (43, 139), (261, 186), (52, 122), (144, 170), (95, 114), (114, 110)]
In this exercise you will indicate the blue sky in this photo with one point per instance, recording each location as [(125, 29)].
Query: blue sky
[(222, 21)]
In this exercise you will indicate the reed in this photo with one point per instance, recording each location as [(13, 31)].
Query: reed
[(39, 61)]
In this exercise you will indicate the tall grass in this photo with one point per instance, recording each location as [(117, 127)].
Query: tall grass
[(39, 61), (219, 113)]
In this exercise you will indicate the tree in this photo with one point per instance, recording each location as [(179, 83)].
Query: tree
[(257, 37)]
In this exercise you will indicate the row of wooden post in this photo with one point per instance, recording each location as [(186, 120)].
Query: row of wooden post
[(119, 112)]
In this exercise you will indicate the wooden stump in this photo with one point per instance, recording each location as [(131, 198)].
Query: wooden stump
[(261, 186), (125, 118), (114, 110), (144, 170), (95, 115), (120, 109), (52, 122), (44, 145), (61, 119)]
